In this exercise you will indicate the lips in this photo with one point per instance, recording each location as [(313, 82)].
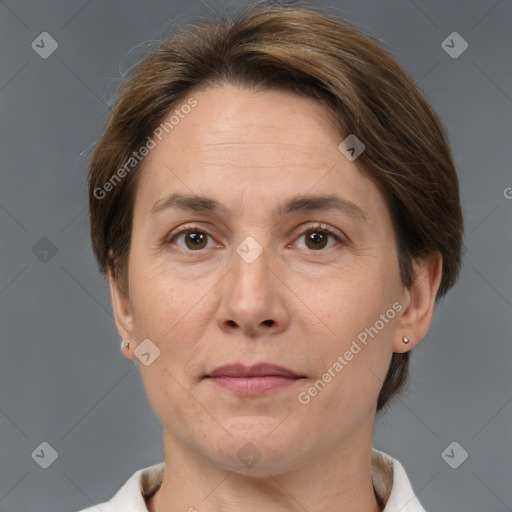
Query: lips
[(257, 370), (257, 380)]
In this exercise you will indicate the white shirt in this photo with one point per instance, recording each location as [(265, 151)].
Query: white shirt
[(389, 479)]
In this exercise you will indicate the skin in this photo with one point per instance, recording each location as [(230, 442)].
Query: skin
[(299, 305)]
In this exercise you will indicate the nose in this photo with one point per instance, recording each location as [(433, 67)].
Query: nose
[(253, 298)]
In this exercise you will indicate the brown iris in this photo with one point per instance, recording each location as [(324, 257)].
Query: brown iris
[(197, 239), (317, 238)]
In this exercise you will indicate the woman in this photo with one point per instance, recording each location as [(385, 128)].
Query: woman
[(277, 211)]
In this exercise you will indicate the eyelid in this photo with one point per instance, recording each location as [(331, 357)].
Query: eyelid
[(167, 239), (183, 228), (300, 231), (321, 226)]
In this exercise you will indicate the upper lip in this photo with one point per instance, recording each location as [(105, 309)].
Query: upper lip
[(257, 370)]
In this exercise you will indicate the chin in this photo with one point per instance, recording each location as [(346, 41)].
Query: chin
[(257, 446)]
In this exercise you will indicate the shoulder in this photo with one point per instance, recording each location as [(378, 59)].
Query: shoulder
[(131, 496), (392, 485)]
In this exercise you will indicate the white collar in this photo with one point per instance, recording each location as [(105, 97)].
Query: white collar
[(390, 482)]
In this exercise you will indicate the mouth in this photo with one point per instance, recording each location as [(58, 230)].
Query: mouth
[(253, 380)]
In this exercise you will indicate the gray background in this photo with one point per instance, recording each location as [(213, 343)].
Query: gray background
[(63, 379)]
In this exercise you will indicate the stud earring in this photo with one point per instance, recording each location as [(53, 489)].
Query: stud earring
[(405, 339), (125, 345)]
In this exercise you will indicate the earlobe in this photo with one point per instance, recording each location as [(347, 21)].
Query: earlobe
[(122, 311), (421, 297)]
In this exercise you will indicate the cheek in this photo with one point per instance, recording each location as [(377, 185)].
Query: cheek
[(155, 300), (164, 311), (154, 306), (350, 301), (358, 314), (171, 312)]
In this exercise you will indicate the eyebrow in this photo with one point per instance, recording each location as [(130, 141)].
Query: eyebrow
[(299, 203)]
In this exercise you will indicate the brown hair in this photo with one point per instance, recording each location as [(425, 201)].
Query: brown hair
[(309, 53)]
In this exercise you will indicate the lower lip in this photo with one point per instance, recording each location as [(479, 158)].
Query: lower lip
[(253, 385)]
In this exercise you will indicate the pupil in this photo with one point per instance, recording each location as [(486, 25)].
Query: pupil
[(197, 239), (316, 238)]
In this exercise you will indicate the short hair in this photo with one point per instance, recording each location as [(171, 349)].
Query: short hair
[(310, 53)]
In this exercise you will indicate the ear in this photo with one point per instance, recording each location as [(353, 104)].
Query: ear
[(419, 301), (122, 313)]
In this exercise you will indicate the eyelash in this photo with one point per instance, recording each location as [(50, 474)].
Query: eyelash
[(314, 227)]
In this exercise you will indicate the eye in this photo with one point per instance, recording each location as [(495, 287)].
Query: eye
[(192, 239), (317, 237)]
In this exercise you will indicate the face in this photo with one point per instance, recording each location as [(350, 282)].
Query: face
[(267, 269)]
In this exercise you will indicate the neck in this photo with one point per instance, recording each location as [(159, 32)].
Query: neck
[(338, 479)]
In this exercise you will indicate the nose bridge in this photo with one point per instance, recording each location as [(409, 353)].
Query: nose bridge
[(251, 300), (250, 278)]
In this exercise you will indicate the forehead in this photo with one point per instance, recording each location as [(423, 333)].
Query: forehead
[(236, 141), (254, 128)]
